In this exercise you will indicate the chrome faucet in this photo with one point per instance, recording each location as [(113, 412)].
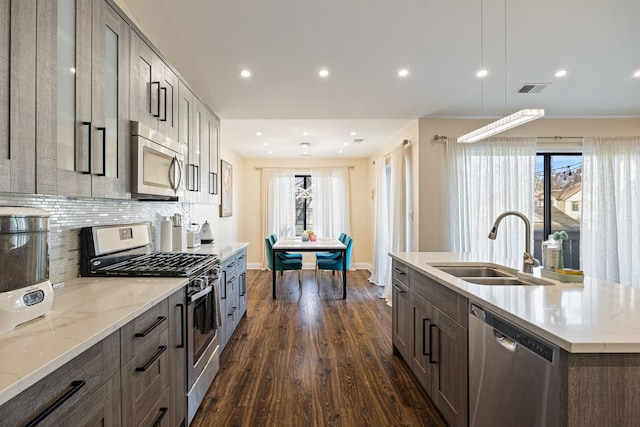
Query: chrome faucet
[(528, 261)]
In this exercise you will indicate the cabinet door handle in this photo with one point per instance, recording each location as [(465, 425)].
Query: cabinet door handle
[(397, 270), (213, 183), (157, 114), (225, 285), (104, 151), (164, 119), (151, 328), (75, 387), (163, 412), (431, 329), (424, 338), (181, 306), (147, 365), (88, 170)]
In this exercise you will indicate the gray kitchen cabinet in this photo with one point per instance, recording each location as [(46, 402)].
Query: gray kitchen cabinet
[(212, 127), (84, 391), (401, 338), (154, 89), (92, 138), (178, 357), (233, 290), (430, 333), (27, 90)]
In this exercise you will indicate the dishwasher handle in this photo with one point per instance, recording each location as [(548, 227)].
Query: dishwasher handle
[(504, 340)]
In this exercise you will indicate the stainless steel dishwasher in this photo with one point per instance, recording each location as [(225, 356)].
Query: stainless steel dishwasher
[(513, 374)]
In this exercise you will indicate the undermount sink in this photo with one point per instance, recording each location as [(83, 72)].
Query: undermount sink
[(490, 275), (474, 271)]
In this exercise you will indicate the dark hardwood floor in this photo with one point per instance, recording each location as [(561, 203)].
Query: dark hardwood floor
[(314, 360)]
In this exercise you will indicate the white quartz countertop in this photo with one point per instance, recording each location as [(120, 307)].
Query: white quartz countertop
[(590, 317), (85, 311)]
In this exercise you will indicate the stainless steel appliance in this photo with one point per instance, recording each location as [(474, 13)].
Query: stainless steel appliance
[(25, 289), (203, 318), (125, 250), (513, 374), (157, 164)]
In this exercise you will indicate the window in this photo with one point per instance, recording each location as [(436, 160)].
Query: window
[(304, 204), (558, 195)]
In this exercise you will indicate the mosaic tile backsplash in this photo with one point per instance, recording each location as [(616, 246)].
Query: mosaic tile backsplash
[(69, 215)]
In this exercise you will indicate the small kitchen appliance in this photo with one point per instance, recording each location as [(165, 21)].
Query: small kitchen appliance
[(25, 290), (206, 233), (193, 237)]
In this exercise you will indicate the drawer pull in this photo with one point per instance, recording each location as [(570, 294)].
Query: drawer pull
[(397, 288), (163, 412), (146, 366), (151, 328), (424, 339), (397, 270), (75, 386), (431, 358), (181, 345)]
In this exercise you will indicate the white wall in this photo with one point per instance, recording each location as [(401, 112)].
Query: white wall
[(434, 193)]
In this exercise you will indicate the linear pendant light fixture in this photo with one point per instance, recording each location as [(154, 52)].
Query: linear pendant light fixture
[(508, 122)]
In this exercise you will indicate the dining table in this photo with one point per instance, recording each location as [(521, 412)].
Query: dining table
[(289, 244)]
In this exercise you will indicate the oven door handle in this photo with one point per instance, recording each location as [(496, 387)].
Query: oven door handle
[(195, 297)]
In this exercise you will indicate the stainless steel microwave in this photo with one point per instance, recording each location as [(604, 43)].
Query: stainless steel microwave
[(157, 164)]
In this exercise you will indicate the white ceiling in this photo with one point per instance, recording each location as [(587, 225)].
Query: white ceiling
[(364, 43)]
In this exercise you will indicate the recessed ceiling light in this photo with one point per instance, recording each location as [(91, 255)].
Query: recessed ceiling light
[(561, 73), (403, 72), (258, 133), (636, 74), (269, 152), (305, 133), (323, 73), (346, 143), (245, 73), (353, 133), (265, 144), (482, 73), (340, 152)]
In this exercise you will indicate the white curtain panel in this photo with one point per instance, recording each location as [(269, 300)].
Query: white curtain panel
[(610, 229), (486, 179), (331, 196), (381, 269), (391, 215), (278, 204)]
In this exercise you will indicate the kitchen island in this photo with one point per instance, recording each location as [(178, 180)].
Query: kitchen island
[(595, 324)]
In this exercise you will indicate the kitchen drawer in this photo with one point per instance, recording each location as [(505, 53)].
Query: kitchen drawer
[(137, 334), (160, 414), (400, 272), (101, 409), (241, 260), (145, 379), (77, 380), (448, 301)]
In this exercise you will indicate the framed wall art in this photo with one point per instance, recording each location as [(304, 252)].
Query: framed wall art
[(226, 202)]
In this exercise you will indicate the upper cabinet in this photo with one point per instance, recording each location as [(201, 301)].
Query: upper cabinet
[(198, 131), (92, 139), (73, 75), (17, 86), (154, 90)]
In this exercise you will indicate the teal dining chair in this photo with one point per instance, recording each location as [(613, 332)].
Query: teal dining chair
[(282, 262), (334, 264), (332, 254), (289, 255)]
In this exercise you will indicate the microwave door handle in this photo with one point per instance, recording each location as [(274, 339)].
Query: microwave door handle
[(172, 167)]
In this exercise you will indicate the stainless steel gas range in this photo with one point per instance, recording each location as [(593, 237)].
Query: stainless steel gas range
[(125, 250)]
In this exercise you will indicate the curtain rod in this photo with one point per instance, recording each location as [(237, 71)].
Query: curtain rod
[(557, 138), (258, 168), (404, 142)]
